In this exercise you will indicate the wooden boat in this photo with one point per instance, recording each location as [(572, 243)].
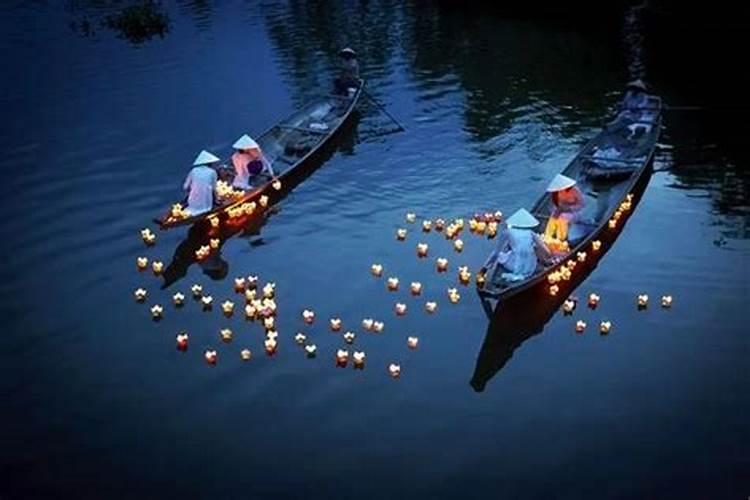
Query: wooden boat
[(612, 170), (289, 145)]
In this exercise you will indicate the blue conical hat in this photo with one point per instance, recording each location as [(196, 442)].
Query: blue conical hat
[(522, 219), (204, 157)]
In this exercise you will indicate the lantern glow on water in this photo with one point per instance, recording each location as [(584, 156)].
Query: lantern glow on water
[(394, 370), (140, 295), (580, 326)]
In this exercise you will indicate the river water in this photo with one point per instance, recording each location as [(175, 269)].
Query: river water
[(100, 129)]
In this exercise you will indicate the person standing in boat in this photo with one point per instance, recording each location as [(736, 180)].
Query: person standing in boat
[(519, 248), (349, 77), (567, 207), (248, 161), (200, 183)]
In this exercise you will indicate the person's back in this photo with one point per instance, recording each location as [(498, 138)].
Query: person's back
[(200, 183), (521, 259)]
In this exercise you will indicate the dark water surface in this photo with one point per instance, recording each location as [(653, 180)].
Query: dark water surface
[(99, 132)]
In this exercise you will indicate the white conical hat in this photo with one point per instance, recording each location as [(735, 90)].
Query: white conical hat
[(205, 157), (347, 51), (523, 219), (245, 142), (638, 84), (560, 182)]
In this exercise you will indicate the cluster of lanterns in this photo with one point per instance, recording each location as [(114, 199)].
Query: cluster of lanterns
[(625, 206), (178, 212)]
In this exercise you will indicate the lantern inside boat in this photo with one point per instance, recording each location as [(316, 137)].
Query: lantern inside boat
[(276, 185), (581, 256), (553, 289), (412, 342), (394, 370), (612, 223), (263, 201), (666, 301), (140, 295), (214, 221), (481, 280), (214, 243), (210, 356), (376, 270), (580, 326), (596, 245), (422, 249)]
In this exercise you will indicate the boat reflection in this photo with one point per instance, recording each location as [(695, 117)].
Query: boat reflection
[(201, 234)]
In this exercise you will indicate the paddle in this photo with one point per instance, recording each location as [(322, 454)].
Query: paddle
[(382, 108)]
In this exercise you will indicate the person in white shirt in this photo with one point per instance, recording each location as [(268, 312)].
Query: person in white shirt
[(200, 183)]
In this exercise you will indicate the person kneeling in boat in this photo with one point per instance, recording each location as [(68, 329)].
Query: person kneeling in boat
[(349, 77), (248, 161), (200, 183), (567, 207), (519, 248)]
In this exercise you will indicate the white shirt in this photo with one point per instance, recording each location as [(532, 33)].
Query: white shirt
[(516, 251), (200, 181)]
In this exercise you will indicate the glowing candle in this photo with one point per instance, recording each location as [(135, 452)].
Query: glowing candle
[(596, 245), (214, 243), (214, 221), (581, 256), (553, 289), (263, 201)]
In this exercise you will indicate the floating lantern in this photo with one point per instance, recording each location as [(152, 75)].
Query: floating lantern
[(450, 232), (300, 338), (481, 280), (203, 252), (459, 223), (157, 267), (377, 326), (148, 237), (263, 201), (272, 334), (569, 306), (239, 285), (210, 356), (141, 263), (426, 226), (666, 301), (401, 234), (246, 354), (580, 326), (269, 290), (604, 327), (422, 249), (412, 342), (498, 216), (411, 217), (276, 185), (596, 245), (214, 243), (400, 309), (359, 360), (430, 307), (270, 346), (464, 276), (227, 307), (182, 341), (553, 289), (581, 256), (394, 370), (481, 227), (308, 316), (367, 324), (416, 288), (342, 358), (207, 302), (252, 282), (441, 264), (178, 299), (335, 324), (349, 337), (311, 350), (473, 225), (226, 334), (157, 311), (250, 295), (392, 284), (458, 245), (140, 295), (453, 295), (439, 224), (642, 301), (269, 323), (593, 300), (250, 311), (376, 270)]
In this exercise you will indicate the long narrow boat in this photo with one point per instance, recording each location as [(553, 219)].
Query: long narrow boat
[(289, 145), (612, 170)]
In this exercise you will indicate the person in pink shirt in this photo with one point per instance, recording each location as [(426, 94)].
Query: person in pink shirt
[(248, 161)]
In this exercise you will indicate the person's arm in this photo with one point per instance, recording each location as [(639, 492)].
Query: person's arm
[(541, 250), (188, 181), (502, 242)]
